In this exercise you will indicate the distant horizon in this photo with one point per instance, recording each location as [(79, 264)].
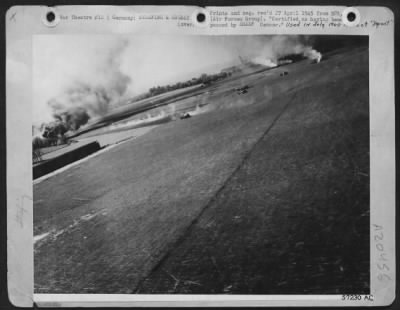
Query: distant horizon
[(97, 72), (125, 101), (147, 61)]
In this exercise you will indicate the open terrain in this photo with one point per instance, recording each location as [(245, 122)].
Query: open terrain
[(265, 192)]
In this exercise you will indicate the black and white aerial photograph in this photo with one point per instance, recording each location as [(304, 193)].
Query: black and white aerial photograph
[(201, 164)]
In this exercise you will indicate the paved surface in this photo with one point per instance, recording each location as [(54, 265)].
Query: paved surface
[(265, 192)]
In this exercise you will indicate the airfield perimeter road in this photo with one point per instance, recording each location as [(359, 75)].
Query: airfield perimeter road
[(267, 193)]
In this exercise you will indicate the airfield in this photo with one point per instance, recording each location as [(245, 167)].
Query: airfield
[(263, 192)]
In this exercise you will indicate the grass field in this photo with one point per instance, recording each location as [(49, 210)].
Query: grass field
[(263, 193)]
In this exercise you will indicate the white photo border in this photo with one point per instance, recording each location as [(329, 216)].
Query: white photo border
[(23, 22)]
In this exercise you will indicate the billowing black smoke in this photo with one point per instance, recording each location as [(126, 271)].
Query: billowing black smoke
[(82, 101), (73, 118)]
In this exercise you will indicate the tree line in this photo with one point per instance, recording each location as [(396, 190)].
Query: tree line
[(202, 79)]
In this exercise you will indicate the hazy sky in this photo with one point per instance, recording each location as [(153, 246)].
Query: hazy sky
[(129, 65), (59, 61)]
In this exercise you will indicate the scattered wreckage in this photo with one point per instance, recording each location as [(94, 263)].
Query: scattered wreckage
[(185, 115), (242, 90)]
